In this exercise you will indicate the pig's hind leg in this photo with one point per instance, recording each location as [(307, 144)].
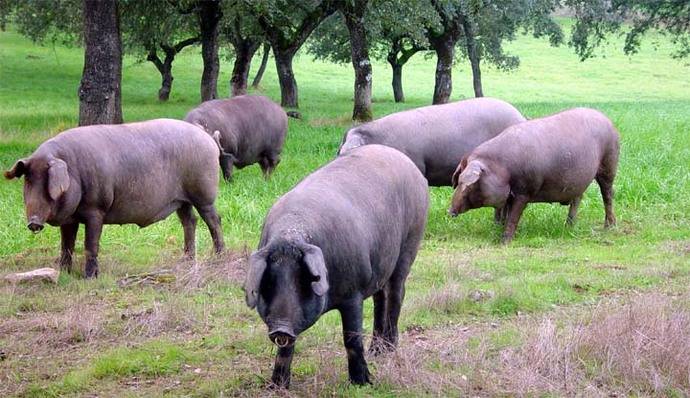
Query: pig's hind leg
[(381, 322), (188, 220), (212, 219), (268, 163), (604, 177)]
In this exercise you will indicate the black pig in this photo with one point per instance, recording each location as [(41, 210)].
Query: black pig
[(251, 128), (348, 231)]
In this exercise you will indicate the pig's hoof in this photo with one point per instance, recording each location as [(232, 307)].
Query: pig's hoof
[(278, 382), (362, 378), (91, 270), (380, 346)]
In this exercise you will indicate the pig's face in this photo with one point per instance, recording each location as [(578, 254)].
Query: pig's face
[(477, 185), (45, 182), (289, 293)]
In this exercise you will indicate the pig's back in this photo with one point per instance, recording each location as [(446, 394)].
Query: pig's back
[(138, 171), (361, 207), (437, 137), (558, 155)]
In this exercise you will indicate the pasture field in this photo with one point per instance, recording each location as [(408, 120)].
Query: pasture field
[(562, 311)]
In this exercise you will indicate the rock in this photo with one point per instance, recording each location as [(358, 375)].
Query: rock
[(294, 114), (38, 275)]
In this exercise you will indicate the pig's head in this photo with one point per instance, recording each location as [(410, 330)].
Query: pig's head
[(352, 139), (287, 283), (478, 185), (46, 180)]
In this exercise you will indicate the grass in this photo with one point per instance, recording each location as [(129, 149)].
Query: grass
[(475, 312)]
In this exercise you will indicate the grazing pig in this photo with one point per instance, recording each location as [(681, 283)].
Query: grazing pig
[(437, 137), (348, 231), (136, 173), (552, 159), (250, 128)]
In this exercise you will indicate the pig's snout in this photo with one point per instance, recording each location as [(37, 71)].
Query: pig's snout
[(453, 212), (282, 337), (35, 225)]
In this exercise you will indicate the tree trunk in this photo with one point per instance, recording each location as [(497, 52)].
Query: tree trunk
[(286, 78), (209, 16), (165, 69), (397, 83), (99, 90), (475, 58), (240, 71), (354, 19), (262, 67), (166, 83), (445, 51)]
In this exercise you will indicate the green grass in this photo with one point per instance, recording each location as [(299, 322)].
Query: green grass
[(548, 265)]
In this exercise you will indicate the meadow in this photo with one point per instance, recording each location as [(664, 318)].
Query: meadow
[(561, 311)]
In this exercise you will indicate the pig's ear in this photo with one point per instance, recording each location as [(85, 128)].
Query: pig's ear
[(17, 170), (351, 140), (313, 258), (58, 178), (458, 171), (471, 173), (257, 266)]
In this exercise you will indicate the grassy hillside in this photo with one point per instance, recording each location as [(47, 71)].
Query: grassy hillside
[(559, 311)]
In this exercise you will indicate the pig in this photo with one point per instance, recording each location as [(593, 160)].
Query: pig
[(135, 173), (552, 159), (250, 129), (437, 137), (346, 232)]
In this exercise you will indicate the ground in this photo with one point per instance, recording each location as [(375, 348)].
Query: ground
[(561, 311)]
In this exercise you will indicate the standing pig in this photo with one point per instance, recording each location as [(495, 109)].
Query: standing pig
[(552, 159), (136, 173), (348, 231), (437, 137), (250, 128)]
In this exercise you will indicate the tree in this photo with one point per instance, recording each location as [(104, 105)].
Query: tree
[(45, 20), (287, 24), (99, 90), (242, 30), (209, 14), (150, 26), (262, 68), (443, 39), (353, 12), (597, 19), (396, 30), (487, 24)]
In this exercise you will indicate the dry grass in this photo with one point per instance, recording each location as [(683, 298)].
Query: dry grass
[(228, 267), (80, 323), (639, 346)]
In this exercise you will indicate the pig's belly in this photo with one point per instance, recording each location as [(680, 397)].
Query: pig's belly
[(140, 213), (561, 193)]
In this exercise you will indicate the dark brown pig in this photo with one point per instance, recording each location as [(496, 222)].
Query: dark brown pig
[(346, 232), (251, 129), (552, 159), (437, 137), (136, 173)]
